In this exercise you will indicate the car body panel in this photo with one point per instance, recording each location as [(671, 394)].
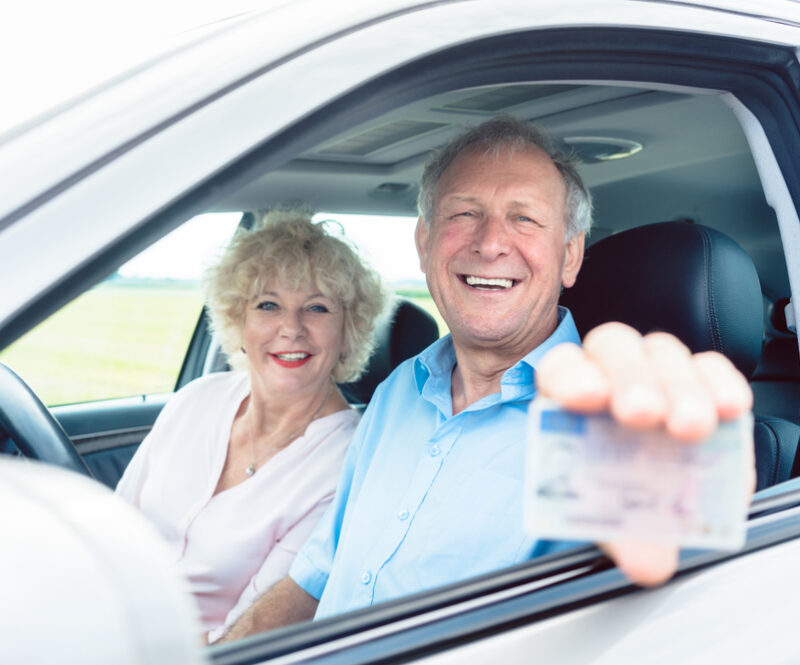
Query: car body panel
[(734, 613)]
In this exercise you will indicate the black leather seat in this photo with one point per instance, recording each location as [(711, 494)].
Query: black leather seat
[(697, 284), (776, 381), (404, 331)]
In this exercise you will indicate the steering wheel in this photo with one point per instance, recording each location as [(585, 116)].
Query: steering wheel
[(34, 430)]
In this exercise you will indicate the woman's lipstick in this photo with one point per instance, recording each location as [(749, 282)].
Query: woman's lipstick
[(291, 359)]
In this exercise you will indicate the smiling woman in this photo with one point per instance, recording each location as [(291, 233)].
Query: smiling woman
[(251, 457)]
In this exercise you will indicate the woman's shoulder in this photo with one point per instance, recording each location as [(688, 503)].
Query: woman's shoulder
[(215, 382), (216, 388)]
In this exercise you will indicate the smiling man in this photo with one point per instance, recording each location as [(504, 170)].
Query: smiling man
[(431, 490)]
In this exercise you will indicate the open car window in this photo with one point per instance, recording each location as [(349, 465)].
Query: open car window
[(128, 335)]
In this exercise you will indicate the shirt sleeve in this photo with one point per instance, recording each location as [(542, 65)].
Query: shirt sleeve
[(312, 565)]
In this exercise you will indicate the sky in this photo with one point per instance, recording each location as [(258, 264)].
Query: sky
[(52, 50), (183, 253)]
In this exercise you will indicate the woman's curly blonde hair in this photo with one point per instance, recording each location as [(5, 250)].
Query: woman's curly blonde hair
[(289, 249)]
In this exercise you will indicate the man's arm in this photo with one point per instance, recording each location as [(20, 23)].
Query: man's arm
[(284, 604), (647, 382)]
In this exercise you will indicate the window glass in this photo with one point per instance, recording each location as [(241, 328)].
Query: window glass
[(387, 243), (128, 335)]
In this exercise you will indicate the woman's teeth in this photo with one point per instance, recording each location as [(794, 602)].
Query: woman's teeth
[(292, 356)]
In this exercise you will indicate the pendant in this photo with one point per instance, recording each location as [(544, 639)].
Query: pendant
[(250, 470)]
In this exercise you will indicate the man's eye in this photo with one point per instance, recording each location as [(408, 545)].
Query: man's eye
[(319, 309), (267, 305)]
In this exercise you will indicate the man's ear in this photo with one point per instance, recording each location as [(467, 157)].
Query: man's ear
[(573, 259), (421, 236)]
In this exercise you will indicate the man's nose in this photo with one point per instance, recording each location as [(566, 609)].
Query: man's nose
[(491, 239)]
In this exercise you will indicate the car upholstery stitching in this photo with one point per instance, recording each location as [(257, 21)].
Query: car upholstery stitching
[(714, 324)]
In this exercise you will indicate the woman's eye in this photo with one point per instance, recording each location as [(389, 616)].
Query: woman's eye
[(267, 305), (319, 309)]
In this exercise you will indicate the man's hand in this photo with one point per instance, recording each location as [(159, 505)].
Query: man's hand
[(646, 382), (283, 604)]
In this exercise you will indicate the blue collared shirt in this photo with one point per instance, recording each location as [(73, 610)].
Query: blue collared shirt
[(427, 497)]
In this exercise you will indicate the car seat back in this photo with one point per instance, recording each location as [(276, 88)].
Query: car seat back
[(402, 332), (776, 380)]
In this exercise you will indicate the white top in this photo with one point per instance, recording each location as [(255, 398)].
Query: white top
[(233, 546)]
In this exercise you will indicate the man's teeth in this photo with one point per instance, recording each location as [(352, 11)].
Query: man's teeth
[(502, 282), (292, 356)]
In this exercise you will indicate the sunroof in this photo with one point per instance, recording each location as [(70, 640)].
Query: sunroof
[(381, 137), (502, 98)]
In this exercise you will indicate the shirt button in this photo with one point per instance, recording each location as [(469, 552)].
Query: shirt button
[(365, 578), (402, 515), (434, 451)]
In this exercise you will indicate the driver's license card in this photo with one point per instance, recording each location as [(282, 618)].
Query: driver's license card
[(589, 479)]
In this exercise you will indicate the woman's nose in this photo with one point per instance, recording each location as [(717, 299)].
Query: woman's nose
[(292, 325)]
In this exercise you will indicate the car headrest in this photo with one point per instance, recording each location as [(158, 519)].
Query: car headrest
[(402, 332), (679, 277)]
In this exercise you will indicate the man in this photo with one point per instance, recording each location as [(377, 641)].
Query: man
[(431, 491)]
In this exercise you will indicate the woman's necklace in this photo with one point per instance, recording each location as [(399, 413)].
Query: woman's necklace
[(251, 469)]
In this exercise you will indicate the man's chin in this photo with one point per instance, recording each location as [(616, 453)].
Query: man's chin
[(484, 336), (502, 333)]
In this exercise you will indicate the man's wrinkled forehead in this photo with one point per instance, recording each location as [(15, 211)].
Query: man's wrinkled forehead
[(499, 156)]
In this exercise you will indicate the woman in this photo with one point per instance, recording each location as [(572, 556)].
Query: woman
[(240, 465)]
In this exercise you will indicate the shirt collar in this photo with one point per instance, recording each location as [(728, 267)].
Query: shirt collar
[(433, 368)]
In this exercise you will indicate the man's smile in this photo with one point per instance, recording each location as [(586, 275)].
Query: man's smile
[(488, 283)]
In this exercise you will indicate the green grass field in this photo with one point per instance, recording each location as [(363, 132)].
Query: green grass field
[(117, 341), (114, 341)]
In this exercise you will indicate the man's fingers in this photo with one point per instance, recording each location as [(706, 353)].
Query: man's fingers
[(643, 563), (568, 375), (645, 382), (728, 387), (691, 412), (636, 399)]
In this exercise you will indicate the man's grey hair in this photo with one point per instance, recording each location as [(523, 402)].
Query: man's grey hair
[(502, 132)]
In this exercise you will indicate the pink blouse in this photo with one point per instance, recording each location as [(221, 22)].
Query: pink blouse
[(234, 545)]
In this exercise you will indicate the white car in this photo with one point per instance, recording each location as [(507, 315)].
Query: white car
[(684, 112)]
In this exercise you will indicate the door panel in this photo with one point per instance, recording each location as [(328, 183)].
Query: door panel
[(108, 433)]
